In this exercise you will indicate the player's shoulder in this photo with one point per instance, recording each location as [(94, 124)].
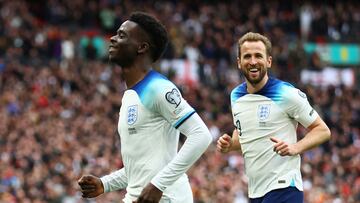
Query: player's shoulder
[(288, 89), (153, 83), (277, 84), (276, 89), (286, 92), (238, 92), (154, 87)]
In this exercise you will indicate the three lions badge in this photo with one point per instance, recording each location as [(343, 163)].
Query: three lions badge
[(132, 114)]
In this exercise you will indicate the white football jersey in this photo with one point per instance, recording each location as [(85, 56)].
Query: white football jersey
[(274, 111), (150, 114)]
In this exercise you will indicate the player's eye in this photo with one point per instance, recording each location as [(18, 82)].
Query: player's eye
[(246, 56), (121, 36)]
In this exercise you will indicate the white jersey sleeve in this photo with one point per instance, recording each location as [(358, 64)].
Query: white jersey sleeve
[(198, 139), (298, 107), (171, 105), (174, 108), (114, 181)]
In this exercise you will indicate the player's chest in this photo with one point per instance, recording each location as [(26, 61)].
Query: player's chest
[(260, 114), (134, 117)]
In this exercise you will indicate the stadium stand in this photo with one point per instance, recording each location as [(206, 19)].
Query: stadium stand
[(60, 97)]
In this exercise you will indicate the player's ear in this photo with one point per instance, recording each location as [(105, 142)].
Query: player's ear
[(269, 61), (143, 47), (239, 62)]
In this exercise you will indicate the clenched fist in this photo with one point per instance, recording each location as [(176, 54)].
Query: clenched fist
[(224, 143), (91, 186)]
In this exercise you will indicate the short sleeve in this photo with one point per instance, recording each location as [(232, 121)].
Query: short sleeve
[(298, 106), (171, 105)]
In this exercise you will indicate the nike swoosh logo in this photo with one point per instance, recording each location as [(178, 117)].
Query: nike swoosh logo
[(235, 114)]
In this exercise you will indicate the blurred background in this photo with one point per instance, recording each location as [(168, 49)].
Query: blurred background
[(60, 97)]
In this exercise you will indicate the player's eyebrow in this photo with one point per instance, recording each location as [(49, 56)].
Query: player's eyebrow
[(119, 31)]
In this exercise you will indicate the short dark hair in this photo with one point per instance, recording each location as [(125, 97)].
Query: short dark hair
[(156, 31)]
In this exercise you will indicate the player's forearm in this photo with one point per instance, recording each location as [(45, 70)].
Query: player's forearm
[(198, 139), (235, 144), (318, 134), (235, 147), (115, 181)]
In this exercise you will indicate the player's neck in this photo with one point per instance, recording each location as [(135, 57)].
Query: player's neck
[(253, 88), (134, 75), (137, 71)]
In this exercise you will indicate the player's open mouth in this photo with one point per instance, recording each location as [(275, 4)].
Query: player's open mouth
[(253, 70)]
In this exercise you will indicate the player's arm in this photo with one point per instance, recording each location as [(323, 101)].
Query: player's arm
[(92, 186), (170, 104), (298, 108), (114, 181), (318, 133), (227, 143), (198, 139)]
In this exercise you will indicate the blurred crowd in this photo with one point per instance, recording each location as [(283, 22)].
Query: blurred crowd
[(60, 97)]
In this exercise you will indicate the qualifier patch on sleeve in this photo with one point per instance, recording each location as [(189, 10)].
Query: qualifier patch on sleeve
[(173, 97)]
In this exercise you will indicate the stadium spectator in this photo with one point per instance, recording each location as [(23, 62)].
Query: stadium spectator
[(42, 147)]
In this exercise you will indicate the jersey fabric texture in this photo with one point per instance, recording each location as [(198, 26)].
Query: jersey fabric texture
[(150, 115), (274, 111)]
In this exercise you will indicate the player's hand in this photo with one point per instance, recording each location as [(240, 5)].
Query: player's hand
[(224, 143), (150, 194), (91, 186), (282, 148)]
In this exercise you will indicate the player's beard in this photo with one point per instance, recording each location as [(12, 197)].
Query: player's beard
[(262, 71)]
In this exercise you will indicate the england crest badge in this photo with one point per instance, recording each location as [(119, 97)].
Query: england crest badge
[(263, 111), (132, 114)]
